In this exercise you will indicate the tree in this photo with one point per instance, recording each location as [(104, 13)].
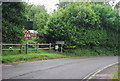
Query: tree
[(75, 25), (13, 17), (109, 22), (83, 24), (38, 15), (62, 4)]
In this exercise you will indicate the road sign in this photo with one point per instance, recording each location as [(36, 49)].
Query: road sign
[(27, 34), (28, 25), (59, 42)]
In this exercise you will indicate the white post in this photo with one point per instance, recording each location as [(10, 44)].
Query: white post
[(56, 47)]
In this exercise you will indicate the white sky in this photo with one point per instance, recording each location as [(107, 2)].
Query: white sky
[(111, 3), (50, 4)]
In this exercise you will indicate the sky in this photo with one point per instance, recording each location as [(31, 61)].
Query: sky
[(111, 3), (50, 4)]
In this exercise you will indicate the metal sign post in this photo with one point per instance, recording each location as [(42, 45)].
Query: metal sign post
[(26, 45), (61, 49)]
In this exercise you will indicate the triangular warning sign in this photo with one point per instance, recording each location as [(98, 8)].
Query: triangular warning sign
[(27, 34)]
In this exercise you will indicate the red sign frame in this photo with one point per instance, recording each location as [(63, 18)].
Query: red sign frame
[(27, 34)]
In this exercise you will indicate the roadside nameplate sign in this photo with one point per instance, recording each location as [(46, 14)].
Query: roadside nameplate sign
[(27, 34), (59, 42)]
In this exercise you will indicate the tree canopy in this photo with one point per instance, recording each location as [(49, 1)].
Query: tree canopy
[(38, 15), (13, 17), (81, 24), (78, 24)]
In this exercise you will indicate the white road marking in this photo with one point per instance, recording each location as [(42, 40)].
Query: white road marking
[(89, 76)]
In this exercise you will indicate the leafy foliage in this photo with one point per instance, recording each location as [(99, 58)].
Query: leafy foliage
[(80, 24), (38, 15), (62, 4), (12, 21), (109, 22)]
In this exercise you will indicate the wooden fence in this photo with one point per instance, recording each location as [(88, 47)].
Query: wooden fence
[(22, 46)]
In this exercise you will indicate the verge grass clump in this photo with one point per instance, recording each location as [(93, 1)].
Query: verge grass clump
[(116, 76)]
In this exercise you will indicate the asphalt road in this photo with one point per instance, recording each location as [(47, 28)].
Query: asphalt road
[(69, 68)]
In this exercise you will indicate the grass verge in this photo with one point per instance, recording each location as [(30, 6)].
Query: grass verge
[(39, 55), (9, 57), (117, 75)]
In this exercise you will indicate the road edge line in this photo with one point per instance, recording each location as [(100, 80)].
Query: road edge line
[(89, 76)]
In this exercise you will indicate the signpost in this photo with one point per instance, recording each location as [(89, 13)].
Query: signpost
[(61, 43), (27, 35)]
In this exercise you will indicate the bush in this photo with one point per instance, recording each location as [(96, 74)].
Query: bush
[(80, 24)]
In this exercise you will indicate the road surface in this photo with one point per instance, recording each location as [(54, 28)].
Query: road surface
[(69, 68)]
